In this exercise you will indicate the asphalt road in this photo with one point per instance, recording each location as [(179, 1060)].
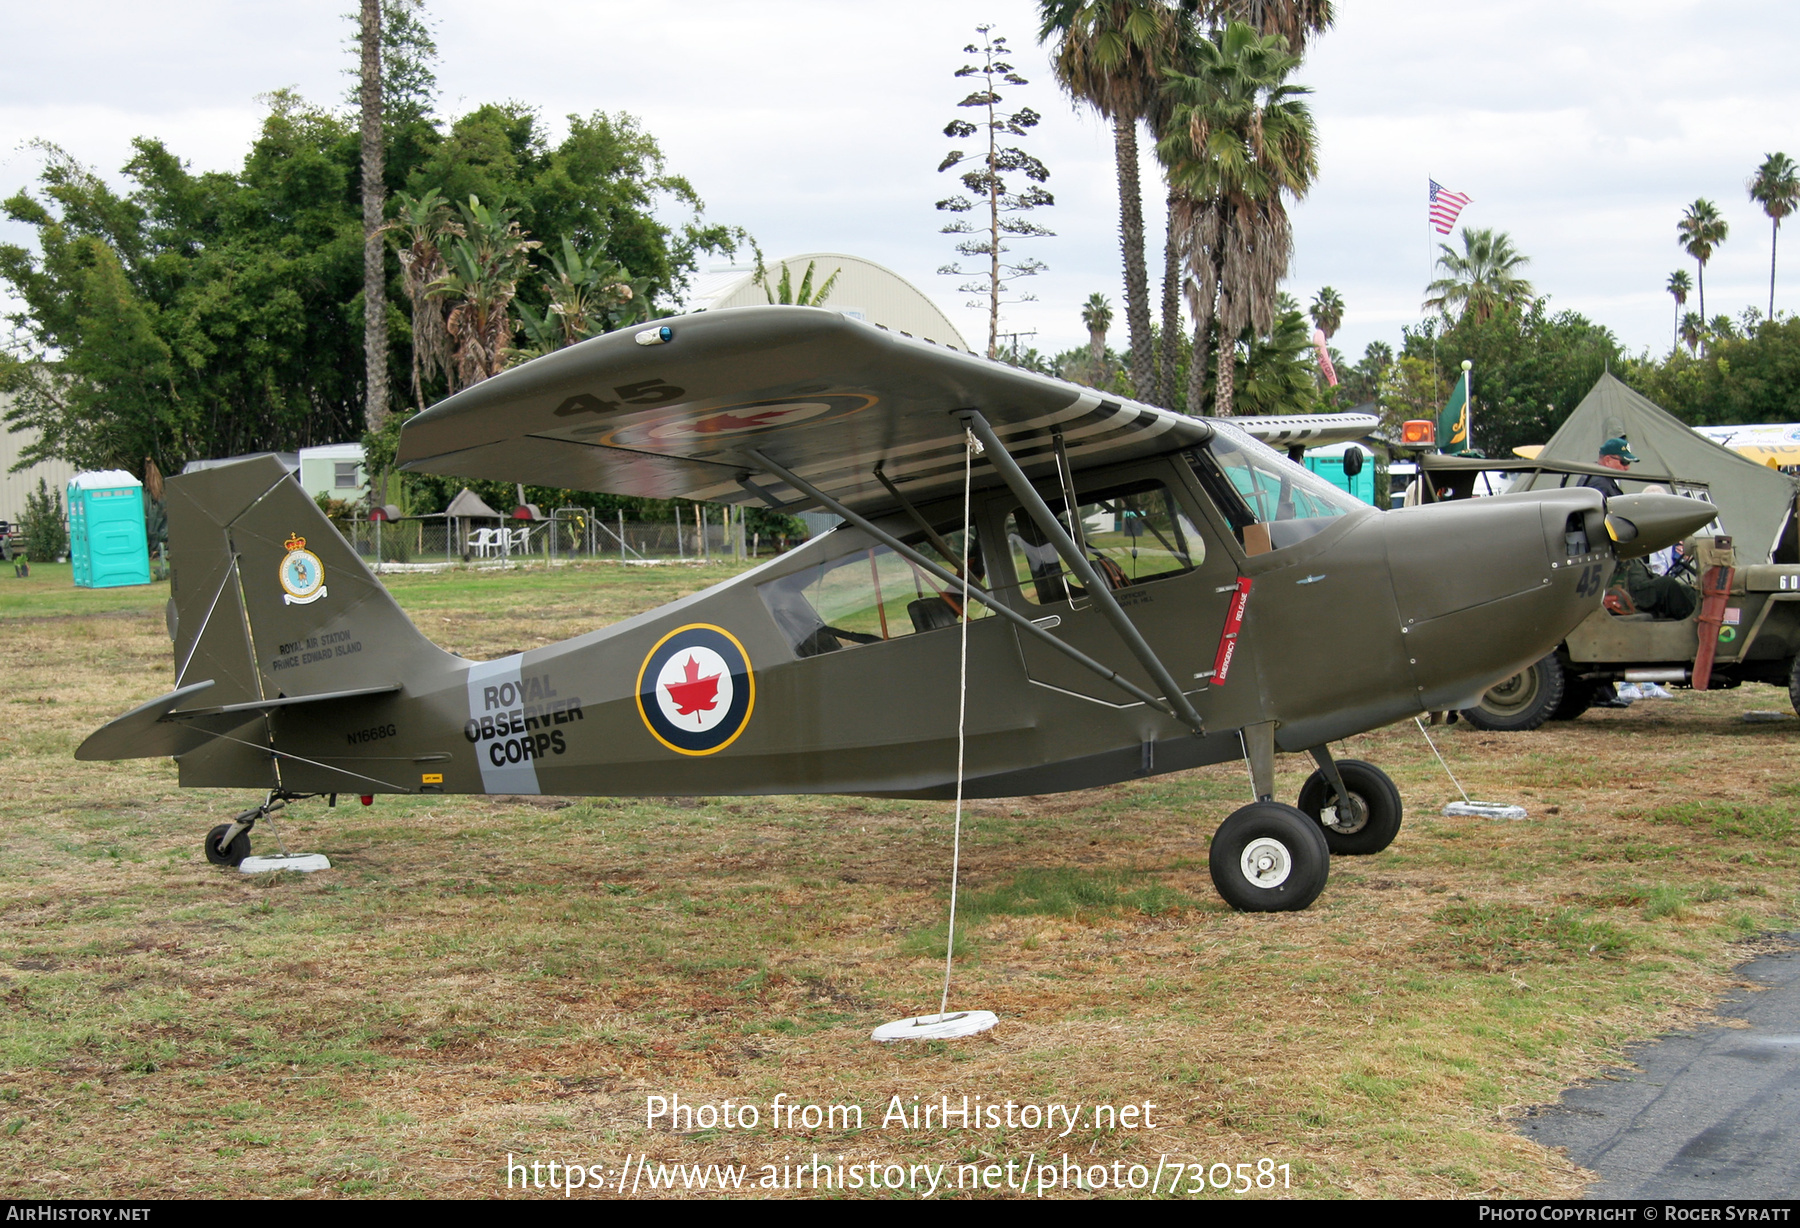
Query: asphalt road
[(1709, 1114)]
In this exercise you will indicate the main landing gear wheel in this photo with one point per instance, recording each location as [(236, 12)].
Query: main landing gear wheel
[(1523, 701), (1269, 857), (1367, 821), (233, 853)]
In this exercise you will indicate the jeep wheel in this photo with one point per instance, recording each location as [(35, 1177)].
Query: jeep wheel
[(1794, 685), (1523, 701)]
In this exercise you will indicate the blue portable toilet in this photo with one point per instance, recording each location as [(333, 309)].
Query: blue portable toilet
[(107, 542)]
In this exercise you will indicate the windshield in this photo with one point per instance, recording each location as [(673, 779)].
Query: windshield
[(1273, 487), (1271, 502)]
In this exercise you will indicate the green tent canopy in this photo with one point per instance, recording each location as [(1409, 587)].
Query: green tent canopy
[(1756, 503)]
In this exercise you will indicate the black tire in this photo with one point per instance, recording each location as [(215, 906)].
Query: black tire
[(1284, 846), (1523, 701), (1578, 697), (235, 852), (1371, 820), (1794, 685)]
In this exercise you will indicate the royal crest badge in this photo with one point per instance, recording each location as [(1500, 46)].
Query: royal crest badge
[(301, 573)]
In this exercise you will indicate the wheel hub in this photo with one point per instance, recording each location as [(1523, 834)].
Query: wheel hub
[(1346, 815), (1515, 694), (1266, 862)]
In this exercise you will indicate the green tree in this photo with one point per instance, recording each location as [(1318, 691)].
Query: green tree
[(422, 225), (985, 182), (1109, 55), (1531, 367), (588, 295), (1679, 287), (1482, 279), (1776, 187), (1279, 370), (784, 292), (43, 524), (1327, 311), (1096, 317), (373, 150), (1239, 142), (1294, 20), (485, 264), (1692, 330), (1699, 231), (1752, 375)]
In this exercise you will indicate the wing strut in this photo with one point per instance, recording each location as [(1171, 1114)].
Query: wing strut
[(1097, 588), (987, 599)]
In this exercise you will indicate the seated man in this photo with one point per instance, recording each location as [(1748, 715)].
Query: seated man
[(1657, 596)]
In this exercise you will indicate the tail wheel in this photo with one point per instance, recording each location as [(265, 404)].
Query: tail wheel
[(232, 853), (1269, 857), (1523, 701), (1367, 821)]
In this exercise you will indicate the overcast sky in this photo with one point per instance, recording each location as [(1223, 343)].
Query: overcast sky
[(1581, 127)]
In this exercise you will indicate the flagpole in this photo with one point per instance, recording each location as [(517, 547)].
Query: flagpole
[(1468, 406)]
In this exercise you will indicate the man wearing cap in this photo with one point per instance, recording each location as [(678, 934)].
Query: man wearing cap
[(1615, 453), (1657, 596)]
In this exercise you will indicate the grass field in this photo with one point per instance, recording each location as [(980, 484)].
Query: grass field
[(482, 978)]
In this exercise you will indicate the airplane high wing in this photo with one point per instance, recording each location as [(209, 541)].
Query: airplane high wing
[(674, 410), (1124, 591)]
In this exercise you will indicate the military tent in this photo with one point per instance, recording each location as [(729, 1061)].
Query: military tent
[(1756, 503)]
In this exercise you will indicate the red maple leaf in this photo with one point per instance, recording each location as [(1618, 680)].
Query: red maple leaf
[(731, 422), (697, 694)]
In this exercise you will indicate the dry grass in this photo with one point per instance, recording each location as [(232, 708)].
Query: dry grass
[(476, 977)]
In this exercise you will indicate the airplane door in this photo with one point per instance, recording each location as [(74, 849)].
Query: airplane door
[(1167, 569)]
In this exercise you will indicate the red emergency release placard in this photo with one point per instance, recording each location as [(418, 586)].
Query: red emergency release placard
[(1234, 622)]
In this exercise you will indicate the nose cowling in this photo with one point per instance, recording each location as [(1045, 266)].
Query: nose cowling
[(1643, 524), (1486, 587)]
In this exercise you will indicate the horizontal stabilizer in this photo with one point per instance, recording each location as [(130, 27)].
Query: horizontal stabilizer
[(162, 727)]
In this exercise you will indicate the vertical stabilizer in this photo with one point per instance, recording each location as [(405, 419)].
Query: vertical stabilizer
[(269, 602)]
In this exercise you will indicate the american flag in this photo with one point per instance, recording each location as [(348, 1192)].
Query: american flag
[(1445, 205)]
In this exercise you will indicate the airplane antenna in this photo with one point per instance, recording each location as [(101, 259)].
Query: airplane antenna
[(962, 1023)]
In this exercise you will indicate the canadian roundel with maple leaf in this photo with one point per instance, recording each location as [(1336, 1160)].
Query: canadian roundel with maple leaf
[(696, 689)]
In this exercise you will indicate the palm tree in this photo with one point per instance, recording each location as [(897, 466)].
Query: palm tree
[(375, 337), (1699, 231), (1483, 279), (1108, 55), (1294, 20), (1776, 187), (783, 292), (1327, 311), (424, 223), (1096, 317), (485, 264), (588, 293), (1680, 285), (1280, 371), (1692, 330), (1238, 141)]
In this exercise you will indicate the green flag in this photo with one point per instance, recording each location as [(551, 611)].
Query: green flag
[(1453, 423)]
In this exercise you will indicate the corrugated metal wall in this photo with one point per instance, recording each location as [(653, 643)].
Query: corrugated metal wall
[(14, 486)]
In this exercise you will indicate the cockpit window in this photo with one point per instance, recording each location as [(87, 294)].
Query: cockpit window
[(868, 596), (1270, 501), (1131, 534)]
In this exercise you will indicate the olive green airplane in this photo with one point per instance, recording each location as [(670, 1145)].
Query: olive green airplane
[(1141, 592)]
